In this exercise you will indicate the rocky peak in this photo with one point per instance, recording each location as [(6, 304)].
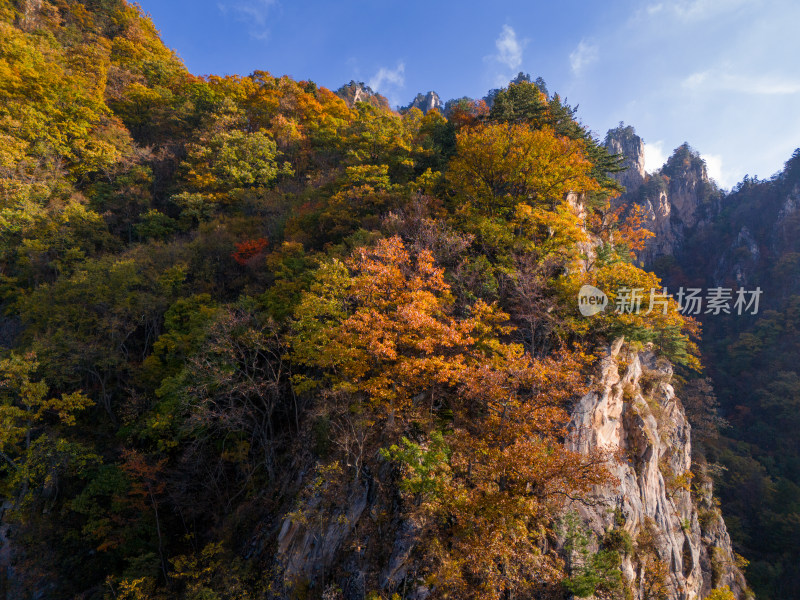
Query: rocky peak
[(358, 91), (426, 103), (691, 192), (648, 514), (623, 140), (676, 199)]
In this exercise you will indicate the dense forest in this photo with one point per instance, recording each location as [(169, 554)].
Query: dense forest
[(226, 300)]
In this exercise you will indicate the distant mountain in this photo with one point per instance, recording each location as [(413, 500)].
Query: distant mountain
[(676, 199), (358, 91), (426, 103)]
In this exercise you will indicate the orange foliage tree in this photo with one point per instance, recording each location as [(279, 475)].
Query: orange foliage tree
[(486, 469)]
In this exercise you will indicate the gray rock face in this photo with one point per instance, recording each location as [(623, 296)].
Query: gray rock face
[(658, 219), (739, 261), (308, 549), (675, 200), (624, 141), (426, 103), (320, 541), (400, 559), (790, 205), (690, 191), (633, 413), (358, 91)]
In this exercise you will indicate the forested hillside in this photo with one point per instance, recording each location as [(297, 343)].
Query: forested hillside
[(236, 309)]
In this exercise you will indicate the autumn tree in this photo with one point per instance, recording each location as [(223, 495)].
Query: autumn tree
[(235, 387), (500, 166), (89, 324), (33, 445), (381, 332), (526, 102), (226, 279)]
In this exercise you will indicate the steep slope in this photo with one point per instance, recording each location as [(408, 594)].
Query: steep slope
[(262, 341), (754, 363), (677, 541), (663, 529)]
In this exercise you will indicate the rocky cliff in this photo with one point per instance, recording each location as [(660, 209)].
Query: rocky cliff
[(745, 239), (675, 200), (426, 103), (358, 91), (624, 141), (658, 512)]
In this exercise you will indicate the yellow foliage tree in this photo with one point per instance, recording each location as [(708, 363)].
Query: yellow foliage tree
[(501, 165), (30, 444)]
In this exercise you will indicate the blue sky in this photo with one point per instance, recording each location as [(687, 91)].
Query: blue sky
[(723, 75)]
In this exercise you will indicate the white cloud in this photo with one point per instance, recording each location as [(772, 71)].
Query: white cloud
[(584, 55), (719, 74), (509, 48), (703, 9), (695, 80), (506, 62), (252, 12), (722, 81), (714, 168), (775, 87), (654, 156), (392, 77), (691, 10)]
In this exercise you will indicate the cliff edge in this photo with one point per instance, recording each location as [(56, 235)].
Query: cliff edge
[(659, 512)]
